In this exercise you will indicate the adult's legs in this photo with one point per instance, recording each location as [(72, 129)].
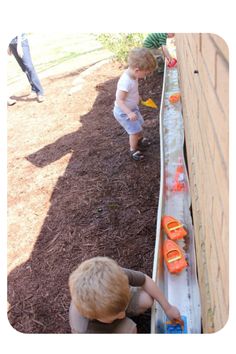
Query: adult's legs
[(28, 67)]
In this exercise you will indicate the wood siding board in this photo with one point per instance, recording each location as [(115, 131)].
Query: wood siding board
[(205, 111), (221, 45)]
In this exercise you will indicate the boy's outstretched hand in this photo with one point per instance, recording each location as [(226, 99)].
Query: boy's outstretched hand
[(173, 313)]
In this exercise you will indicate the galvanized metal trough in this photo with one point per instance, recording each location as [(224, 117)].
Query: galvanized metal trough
[(175, 200)]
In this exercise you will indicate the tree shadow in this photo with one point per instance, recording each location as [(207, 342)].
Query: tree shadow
[(104, 204)]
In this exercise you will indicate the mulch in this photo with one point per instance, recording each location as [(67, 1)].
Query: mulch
[(103, 204)]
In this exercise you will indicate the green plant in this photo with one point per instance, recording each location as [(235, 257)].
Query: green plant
[(121, 43)]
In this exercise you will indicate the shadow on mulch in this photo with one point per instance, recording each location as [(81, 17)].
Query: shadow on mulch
[(104, 205)]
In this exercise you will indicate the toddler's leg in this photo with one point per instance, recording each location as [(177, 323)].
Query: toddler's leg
[(126, 326), (133, 142), (139, 303), (144, 302)]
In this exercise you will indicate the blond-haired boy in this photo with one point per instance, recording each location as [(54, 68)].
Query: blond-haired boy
[(141, 63), (103, 293)]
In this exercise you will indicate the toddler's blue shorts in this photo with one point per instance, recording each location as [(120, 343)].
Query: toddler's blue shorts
[(130, 126)]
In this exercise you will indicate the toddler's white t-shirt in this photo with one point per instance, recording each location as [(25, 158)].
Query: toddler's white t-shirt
[(127, 84)]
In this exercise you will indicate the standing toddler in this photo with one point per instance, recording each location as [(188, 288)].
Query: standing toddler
[(141, 62)]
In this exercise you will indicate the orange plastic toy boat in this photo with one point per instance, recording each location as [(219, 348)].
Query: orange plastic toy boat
[(149, 103), (174, 257), (174, 98), (173, 228)]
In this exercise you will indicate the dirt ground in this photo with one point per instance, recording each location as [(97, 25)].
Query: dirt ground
[(74, 193)]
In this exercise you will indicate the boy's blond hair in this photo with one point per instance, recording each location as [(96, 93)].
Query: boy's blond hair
[(99, 288), (142, 58)]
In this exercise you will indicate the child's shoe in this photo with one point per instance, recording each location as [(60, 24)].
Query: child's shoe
[(136, 155), (144, 143)]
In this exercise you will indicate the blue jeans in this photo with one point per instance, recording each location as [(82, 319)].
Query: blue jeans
[(27, 65)]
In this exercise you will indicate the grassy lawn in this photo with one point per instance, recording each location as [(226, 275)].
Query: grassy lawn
[(49, 50)]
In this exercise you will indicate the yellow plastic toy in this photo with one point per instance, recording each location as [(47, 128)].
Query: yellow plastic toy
[(149, 103)]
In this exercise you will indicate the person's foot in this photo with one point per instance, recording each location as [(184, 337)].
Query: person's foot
[(11, 102), (144, 143), (40, 98), (136, 155), (33, 94)]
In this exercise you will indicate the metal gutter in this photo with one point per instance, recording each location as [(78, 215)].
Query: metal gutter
[(157, 261), (181, 290)]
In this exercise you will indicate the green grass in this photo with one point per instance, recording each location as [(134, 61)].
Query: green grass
[(58, 60), (50, 50)]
